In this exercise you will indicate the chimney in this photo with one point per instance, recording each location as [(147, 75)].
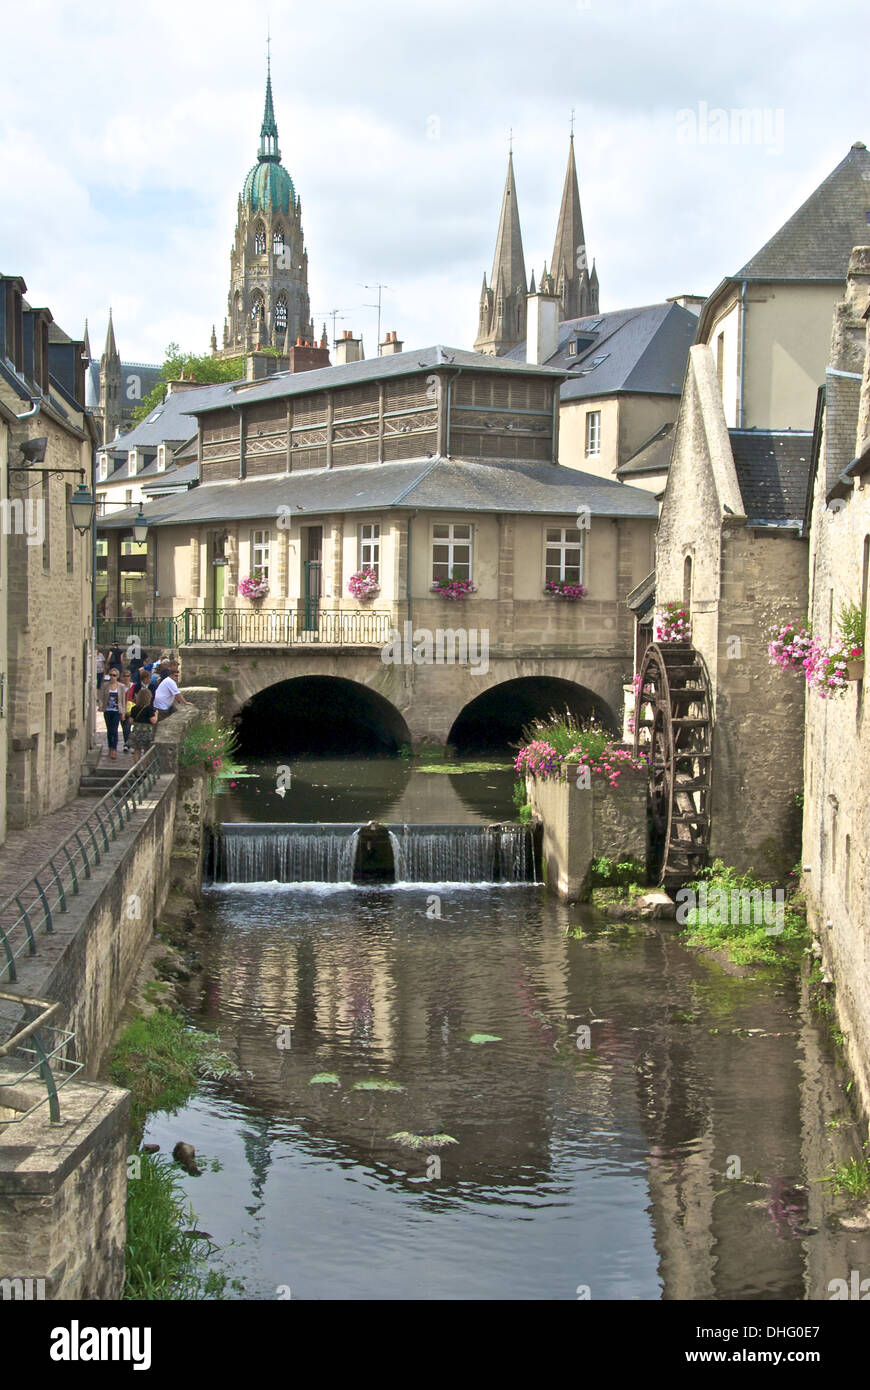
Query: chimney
[(391, 344), (307, 357), (183, 384), (693, 302), (542, 327), (348, 349)]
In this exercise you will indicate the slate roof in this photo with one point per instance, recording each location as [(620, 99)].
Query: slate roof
[(642, 599), (653, 456), (816, 242), (355, 373), (172, 478), (170, 422), (434, 484), (772, 471), (645, 351)]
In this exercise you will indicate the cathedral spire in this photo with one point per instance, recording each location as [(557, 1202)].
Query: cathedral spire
[(111, 351), (269, 129), (569, 266), (508, 257)]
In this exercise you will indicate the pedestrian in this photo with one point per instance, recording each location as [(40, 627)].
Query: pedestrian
[(144, 718), (167, 694), (101, 662), (130, 691), (137, 660), (112, 704), (116, 658)]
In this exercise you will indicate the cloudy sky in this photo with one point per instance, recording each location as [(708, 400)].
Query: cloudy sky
[(126, 132)]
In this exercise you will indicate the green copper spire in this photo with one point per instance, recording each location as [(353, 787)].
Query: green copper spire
[(269, 129)]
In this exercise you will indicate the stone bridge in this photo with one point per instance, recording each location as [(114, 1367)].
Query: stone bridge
[(406, 698)]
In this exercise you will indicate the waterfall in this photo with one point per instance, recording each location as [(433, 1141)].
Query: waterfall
[(284, 853), (462, 854)]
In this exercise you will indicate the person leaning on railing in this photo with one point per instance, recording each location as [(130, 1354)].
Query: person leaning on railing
[(167, 694), (144, 717)]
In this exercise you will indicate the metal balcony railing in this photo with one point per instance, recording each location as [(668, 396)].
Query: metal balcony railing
[(277, 627)]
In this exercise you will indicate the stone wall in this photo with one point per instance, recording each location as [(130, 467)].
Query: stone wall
[(63, 1194), (585, 823), (836, 833)]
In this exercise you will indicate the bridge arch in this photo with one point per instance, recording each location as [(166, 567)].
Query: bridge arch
[(320, 714), (495, 719)]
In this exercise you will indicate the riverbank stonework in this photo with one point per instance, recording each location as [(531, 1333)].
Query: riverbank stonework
[(836, 840), (581, 824)]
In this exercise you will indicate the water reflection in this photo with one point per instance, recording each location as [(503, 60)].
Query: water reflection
[(605, 1165)]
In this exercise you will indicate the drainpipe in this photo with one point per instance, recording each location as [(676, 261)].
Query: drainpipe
[(37, 406), (411, 516), (740, 410)]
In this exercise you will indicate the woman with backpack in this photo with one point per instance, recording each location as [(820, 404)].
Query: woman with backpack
[(143, 718)]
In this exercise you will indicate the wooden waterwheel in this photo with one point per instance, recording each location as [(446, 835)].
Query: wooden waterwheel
[(673, 728)]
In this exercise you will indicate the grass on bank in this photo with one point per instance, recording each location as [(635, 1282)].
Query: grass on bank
[(160, 1061), (745, 943)]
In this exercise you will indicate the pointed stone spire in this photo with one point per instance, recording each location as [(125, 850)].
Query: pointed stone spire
[(532, 289), (503, 302), (111, 351), (269, 129), (569, 263), (213, 344), (509, 242), (86, 343)]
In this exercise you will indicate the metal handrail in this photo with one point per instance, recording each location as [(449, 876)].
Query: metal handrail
[(284, 627), (37, 1047), (45, 893)]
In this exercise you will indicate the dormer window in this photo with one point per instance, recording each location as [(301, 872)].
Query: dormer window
[(572, 348), (132, 463), (161, 457), (102, 468)]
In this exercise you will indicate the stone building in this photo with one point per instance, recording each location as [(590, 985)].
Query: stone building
[(502, 309), (768, 325), (48, 442), (424, 467), (268, 302), (836, 831), (115, 389), (731, 546), (624, 374)]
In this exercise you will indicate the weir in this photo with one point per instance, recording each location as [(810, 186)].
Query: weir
[(333, 853)]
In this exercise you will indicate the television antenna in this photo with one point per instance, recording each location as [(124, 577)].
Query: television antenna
[(380, 289)]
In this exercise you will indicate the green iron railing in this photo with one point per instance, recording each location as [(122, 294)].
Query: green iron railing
[(278, 627), (154, 635)]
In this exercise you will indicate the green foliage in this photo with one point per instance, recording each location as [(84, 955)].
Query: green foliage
[(484, 1038), (209, 745), (852, 625), (160, 1060), (603, 872), (165, 1256), (423, 1141), (377, 1085), (563, 733), (205, 369), (325, 1078), (852, 1177), (745, 943)]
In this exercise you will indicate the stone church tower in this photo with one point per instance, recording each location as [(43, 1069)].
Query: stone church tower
[(268, 301), (502, 322), (110, 385), (503, 302)]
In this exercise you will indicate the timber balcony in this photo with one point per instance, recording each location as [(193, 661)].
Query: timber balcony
[(264, 627)]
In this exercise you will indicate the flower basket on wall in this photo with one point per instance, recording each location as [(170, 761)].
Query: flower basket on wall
[(672, 624), (855, 670), (560, 588), (453, 588), (363, 585), (254, 586)]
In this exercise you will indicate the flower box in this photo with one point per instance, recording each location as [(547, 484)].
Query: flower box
[(254, 585), (363, 585), (453, 588), (560, 588)]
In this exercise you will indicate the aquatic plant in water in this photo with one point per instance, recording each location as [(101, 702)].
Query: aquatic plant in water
[(423, 1141), (325, 1078), (377, 1086), (484, 1038)]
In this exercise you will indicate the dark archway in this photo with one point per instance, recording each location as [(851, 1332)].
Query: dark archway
[(495, 720), (321, 715)]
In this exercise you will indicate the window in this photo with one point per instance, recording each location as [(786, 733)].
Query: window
[(572, 348), (370, 548), (593, 432), (563, 555), (132, 463), (258, 310), (49, 652), (259, 239), (46, 513), (70, 533), (102, 468), (687, 583), (720, 359), (451, 551), (161, 457), (278, 241), (281, 314), (260, 546)]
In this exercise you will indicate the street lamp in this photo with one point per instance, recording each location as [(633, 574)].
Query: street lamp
[(82, 504), (140, 527)]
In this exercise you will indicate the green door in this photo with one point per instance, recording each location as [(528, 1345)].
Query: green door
[(312, 572)]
